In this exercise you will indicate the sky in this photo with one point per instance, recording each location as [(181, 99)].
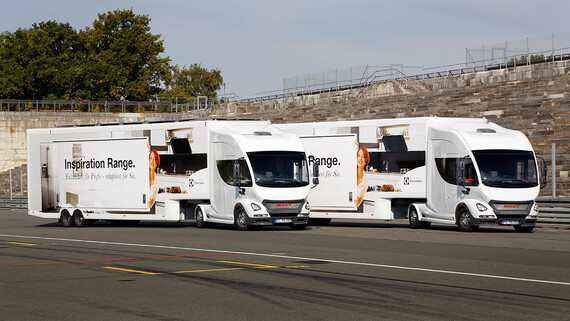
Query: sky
[(257, 43)]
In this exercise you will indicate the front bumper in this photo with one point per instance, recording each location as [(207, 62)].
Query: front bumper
[(504, 214), (276, 213), (278, 220), (503, 222)]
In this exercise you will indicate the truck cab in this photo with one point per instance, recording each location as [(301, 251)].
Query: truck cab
[(480, 174), (260, 177)]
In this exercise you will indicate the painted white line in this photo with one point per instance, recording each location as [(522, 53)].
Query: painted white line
[(298, 258)]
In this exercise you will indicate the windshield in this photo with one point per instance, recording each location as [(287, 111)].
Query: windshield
[(279, 169), (507, 168)]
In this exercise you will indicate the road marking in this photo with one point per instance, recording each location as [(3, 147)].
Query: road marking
[(18, 243), (210, 270), (116, 259), (260, 266), (129, 270), (409, 268), (296, 266)]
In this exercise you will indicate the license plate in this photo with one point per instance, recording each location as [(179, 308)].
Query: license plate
[(283, 220), (510, 222)]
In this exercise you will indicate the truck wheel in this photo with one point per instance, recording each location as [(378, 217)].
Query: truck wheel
[(78, 219), (66, 219), (200, 223), (414, 218), (464, 221), (523, 229), (240, 220)]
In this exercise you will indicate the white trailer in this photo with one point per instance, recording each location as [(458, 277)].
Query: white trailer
[(468, 172), (242, 172)]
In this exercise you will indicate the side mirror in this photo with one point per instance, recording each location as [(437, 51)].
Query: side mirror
[(237, 181), (543, 172), (315, 174), (461, 176)]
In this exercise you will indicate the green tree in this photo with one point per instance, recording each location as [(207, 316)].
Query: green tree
[(123, 57), (193, 81), (40, 62)]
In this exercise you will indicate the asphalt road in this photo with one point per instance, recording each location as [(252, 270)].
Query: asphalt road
[(344, 271)]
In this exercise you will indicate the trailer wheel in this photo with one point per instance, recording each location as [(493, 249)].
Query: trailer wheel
[(78, 219), (240, 220), (66, 219), (523, 229), (464, 221), (200, 223)]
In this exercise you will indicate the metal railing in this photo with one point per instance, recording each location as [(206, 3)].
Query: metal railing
[(554, 211), (19, 202), (170, 106), (398, 72)]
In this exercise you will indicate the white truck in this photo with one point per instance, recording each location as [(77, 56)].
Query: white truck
[(468, 172), (242, 172)]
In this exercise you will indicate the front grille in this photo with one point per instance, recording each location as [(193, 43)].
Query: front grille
[(283, 208), (511, 210)]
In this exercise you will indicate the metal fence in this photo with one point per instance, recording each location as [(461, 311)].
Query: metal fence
[(484, 58), (522, 49), (168, 105)]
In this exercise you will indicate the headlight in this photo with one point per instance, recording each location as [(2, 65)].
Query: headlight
[(307, 206), (481, 207), (535, 207), (255, 207)]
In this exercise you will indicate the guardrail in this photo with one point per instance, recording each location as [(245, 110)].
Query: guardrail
[(17, 202), (554, 211)]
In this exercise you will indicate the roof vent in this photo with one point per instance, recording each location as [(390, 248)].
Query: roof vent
[(262, 133), (486, 130)]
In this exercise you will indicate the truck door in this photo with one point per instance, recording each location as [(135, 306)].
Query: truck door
[(444, 186), (225, 191)]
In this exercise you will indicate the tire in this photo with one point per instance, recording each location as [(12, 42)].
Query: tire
[(66, 219), (78, 219), (523, 229), (464, 221), (200, 223), (414, 218), (240, 220), (298, 226)]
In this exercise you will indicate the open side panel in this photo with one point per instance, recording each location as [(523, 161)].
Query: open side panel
[(48, 176)]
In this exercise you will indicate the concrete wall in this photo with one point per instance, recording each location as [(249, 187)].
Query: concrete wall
[(534, 99)]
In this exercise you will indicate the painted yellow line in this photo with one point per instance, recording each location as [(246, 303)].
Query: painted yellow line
[(296, 266), (18, 243), (211, 270), (251, 264), (128, 270)]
